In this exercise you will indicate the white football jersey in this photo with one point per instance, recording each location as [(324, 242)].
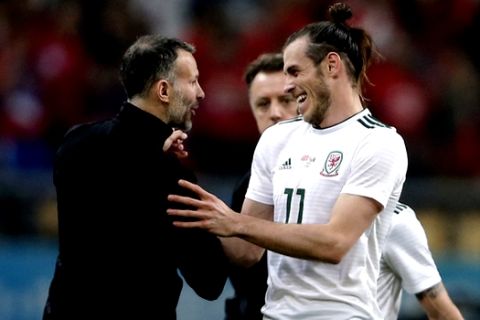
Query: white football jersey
[(301, 171), (406, 262)]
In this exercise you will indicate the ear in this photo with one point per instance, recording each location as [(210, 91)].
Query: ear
[(333, 63), (162, 90)]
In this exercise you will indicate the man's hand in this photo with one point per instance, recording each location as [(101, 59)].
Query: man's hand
[(210, 213), (174, 144)]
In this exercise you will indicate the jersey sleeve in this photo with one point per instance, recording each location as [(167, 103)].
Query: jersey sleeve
[(379, 168), (407, 253), (260, 187)]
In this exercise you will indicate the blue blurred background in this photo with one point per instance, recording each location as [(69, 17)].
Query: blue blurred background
[(58, 66)]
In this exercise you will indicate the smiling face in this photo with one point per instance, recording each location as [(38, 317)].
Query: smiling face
[(268, 100), (186, 92), (306, 82)]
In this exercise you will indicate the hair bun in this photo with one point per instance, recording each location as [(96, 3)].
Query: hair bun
[(340, 12)]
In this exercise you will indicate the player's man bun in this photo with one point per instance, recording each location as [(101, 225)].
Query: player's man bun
[(340, 12)]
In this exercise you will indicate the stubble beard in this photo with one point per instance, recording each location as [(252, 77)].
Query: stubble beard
[(179, 113), (319, 110), (321, 101)]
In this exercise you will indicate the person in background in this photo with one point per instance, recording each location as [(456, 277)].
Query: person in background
[(118, 251), (322, 188), (270, 104), (408, 263)]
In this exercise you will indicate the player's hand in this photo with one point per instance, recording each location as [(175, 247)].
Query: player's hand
[(174, 144), (210, 213)]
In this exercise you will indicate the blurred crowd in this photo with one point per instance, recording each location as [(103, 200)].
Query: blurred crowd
[(59, 61)]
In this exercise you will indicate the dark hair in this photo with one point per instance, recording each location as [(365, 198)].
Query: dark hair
[(267, 62), (150, 58), (335, 35)]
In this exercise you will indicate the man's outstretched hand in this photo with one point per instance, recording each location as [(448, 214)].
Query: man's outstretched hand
[(211, 213)]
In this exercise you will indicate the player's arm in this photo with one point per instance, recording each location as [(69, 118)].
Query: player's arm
[(241, 251), (437, 304), (329, 242)]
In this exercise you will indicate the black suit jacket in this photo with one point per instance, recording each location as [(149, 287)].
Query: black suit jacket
[(118, 250)]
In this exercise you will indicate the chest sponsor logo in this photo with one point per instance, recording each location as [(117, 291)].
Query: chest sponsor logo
[(332, 164)]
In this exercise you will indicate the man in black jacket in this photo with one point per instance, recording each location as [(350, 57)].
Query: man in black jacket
[(118, 250)]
